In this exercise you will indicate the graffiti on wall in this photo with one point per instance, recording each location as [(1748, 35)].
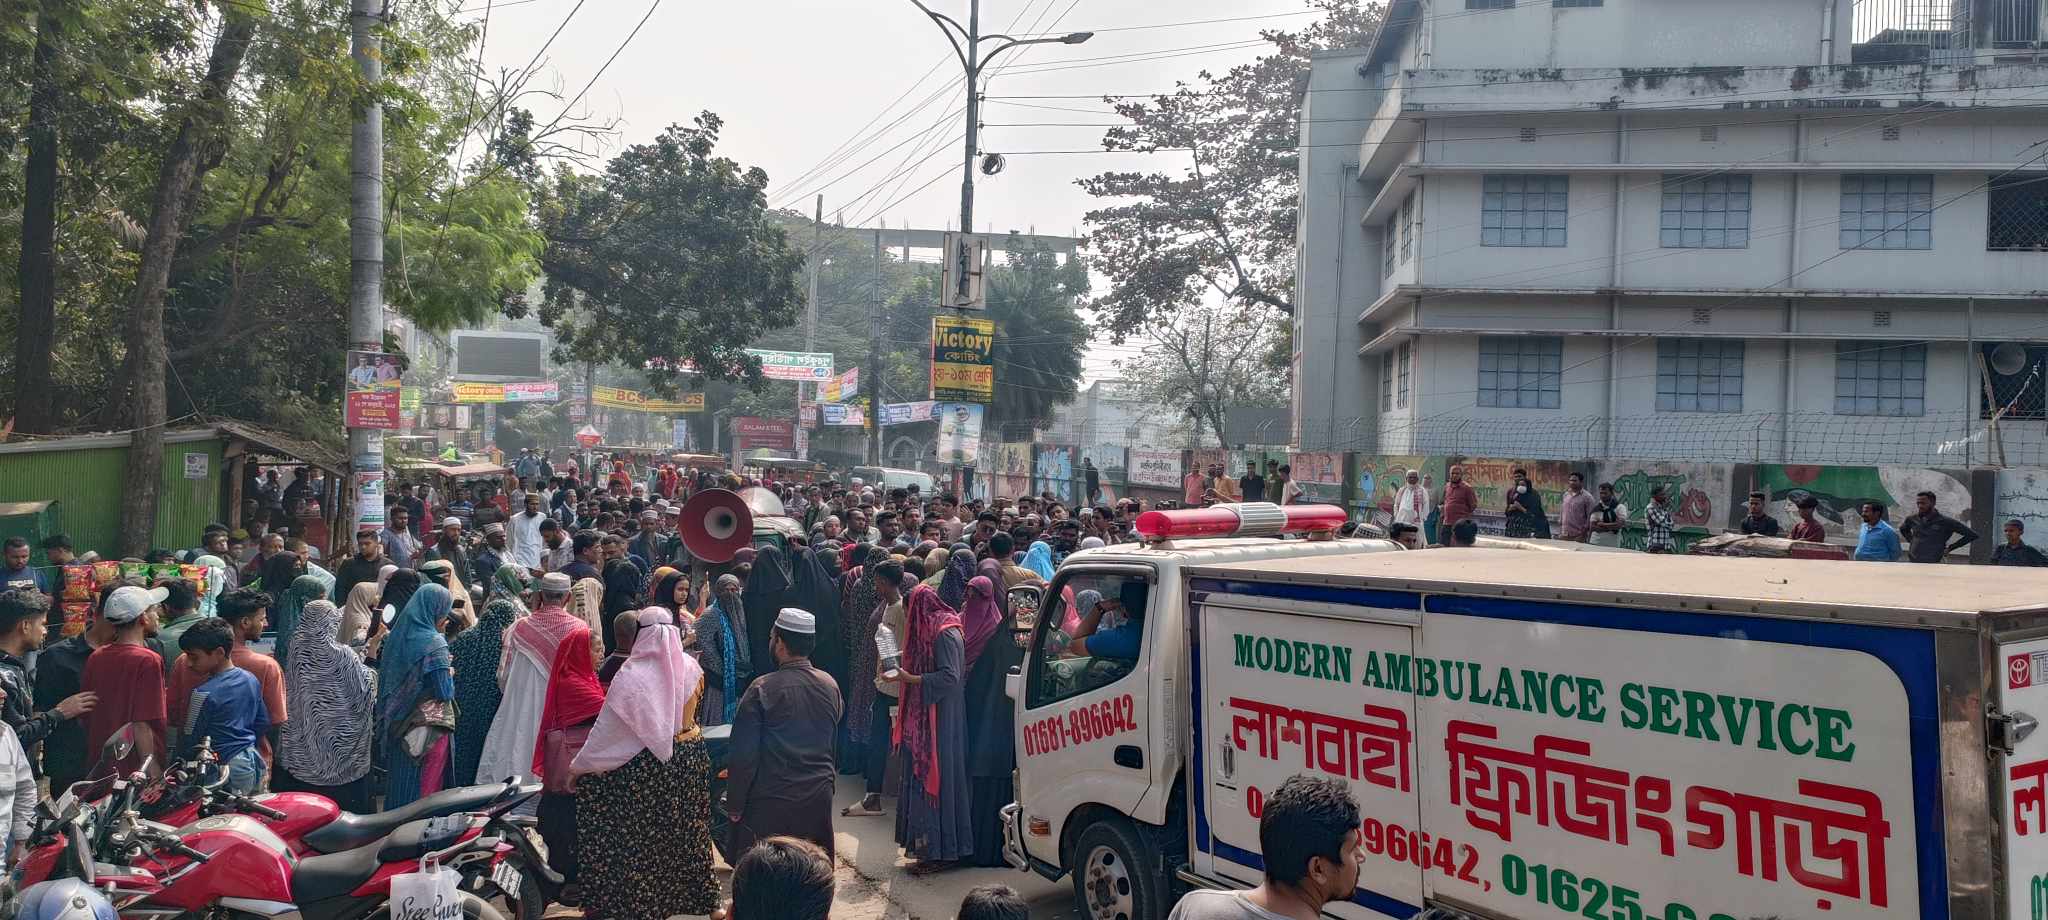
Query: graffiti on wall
[(1841, 490), (1052, 471), (1490, 480), (1109, 471), (1010, 470), (1697, 492), (1378, 479), (1320, 475)]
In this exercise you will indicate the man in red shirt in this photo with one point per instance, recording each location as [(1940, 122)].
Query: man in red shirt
[(1458, 503), (127, 675), (246, 611)]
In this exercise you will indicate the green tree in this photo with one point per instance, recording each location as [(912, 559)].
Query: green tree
[(1204, 360), (667, 257), (1224, 225)]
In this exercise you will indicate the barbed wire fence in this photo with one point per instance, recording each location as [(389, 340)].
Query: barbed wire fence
[(1954, 440)]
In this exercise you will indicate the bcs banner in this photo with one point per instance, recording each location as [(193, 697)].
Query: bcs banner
[(963, 359)]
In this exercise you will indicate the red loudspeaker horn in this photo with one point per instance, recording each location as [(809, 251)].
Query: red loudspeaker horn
[(716, 524)]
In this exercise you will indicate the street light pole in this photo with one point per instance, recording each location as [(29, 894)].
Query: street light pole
[(966, 43)]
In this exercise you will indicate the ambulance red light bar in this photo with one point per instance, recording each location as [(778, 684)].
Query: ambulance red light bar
[(1239, 519)]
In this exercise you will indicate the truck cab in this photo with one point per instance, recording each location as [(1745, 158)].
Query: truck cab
[(1102, 706)]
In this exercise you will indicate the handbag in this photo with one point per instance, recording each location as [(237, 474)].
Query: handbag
[(430, 721), (559, 748)]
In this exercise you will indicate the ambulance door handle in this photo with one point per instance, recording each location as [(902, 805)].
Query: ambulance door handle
[(1128, 755), (1227, 760)]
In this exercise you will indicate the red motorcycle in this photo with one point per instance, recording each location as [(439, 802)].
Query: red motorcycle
[(232, 866)]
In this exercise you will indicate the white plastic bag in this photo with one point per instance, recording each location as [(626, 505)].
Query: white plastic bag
[(433, 893)]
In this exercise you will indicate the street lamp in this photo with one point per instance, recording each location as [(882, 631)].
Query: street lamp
[(966, 44)]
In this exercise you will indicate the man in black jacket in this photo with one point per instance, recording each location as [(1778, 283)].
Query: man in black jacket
[(22, 627)]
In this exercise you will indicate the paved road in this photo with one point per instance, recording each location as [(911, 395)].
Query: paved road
[(874, 886)]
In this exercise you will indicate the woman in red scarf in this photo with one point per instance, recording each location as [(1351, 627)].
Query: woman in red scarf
[(934, 820), (574, 698)]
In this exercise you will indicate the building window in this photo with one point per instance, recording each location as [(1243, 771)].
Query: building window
[(1880, 378), (1406, 355), (2014, 372), (1489, 4), (2017, 217), (1523, 210), (1699, 375), (1709, 213), (1386, 382), (1578, 3), (1387, 245), (1407, 227), (1887, 211), (1520, 372)]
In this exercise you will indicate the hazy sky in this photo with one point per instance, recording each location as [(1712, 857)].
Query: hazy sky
[(794, 80)]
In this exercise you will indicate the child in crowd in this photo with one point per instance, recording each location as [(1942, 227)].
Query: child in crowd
[(227, 707)]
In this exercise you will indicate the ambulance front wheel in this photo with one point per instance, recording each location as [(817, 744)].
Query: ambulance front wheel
[(1116, 873)]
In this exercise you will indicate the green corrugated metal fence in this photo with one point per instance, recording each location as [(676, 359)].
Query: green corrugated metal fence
[(87, 482)]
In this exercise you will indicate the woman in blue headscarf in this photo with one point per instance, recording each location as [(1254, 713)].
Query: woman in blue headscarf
[(1039, 559), (304, 589), (415, 687)]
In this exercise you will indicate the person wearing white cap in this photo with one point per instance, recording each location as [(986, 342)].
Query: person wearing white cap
[(780, 761), (448, 547), (126, 675), (525, 662)]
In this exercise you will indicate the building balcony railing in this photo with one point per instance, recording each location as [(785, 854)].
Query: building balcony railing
[(1947, 31)]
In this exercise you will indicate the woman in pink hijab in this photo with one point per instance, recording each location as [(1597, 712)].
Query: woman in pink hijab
[(643, 801)]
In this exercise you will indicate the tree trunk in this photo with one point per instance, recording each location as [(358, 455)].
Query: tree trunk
[(35, 402), (200, 133)]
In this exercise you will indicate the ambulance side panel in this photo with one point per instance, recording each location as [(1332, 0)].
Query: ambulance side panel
[(1526, 758)]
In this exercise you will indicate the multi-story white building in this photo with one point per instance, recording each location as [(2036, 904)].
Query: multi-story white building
[(1797, 230)]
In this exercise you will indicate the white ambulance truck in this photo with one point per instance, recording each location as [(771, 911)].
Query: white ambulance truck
[(1542, 734)]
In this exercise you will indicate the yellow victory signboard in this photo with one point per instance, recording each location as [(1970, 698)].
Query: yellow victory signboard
[(963, 359)]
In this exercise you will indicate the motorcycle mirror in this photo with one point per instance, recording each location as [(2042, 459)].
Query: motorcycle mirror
[(119, 745), (390, 613)]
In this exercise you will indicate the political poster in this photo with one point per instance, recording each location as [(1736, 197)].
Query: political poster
[(840, 414), (906, 413), (841, 388), (486, 393), (802, 366), (1158, 469), (373, 390), (959, 437), (963, 359), (409, 400), (579, 407)]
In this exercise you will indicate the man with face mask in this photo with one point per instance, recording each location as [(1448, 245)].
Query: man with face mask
[(1308, 832)]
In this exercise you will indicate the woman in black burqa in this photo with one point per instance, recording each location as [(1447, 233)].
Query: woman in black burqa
[(794, 578)]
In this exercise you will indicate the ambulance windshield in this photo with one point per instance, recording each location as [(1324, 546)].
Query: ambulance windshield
[(1091, 634)]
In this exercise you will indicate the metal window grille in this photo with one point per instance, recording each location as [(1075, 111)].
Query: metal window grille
[(1702, 316), (1386, 383), (1880, 378), (1523, 210), (2017, 375), (1699, 375), (1881, 211), (1489, 4), (1705, 213), (2016, 216), (1881, 319), (1520, 372), (1577, 3), (1528, 135), (1710, 134), (1406, 353), (1407, 227), (1387, 247)]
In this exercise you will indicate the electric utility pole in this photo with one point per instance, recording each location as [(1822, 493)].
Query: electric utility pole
[(966, 43), (366, 235), (811, 311), (874, 371)]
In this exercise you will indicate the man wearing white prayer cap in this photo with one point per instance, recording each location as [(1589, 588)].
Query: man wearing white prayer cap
[(780, 761)]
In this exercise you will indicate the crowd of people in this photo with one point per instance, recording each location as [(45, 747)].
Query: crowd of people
[(560, 631)]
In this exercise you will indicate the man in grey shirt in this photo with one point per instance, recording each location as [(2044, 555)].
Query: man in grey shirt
[(1308, 833), (1927, 532)]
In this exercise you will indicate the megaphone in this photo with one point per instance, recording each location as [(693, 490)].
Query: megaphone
[(716, 524)]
